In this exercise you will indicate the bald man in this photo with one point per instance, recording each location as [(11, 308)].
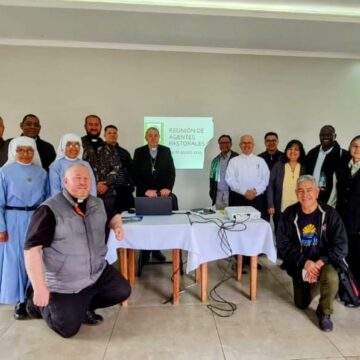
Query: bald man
[(247, 176), (65, 258)]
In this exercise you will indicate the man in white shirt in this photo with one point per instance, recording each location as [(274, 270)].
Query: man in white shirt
[(247, 176)]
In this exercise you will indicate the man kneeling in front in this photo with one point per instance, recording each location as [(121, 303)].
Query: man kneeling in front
[(311, 238), (65, 258)]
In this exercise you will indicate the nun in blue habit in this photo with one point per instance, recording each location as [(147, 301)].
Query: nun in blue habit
[(69, 152), (23, 186)]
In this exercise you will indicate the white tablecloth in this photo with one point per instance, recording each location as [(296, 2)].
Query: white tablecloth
[(250, 238), (153, 233), (202, 241)]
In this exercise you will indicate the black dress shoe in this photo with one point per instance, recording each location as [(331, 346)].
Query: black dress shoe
[(91, 318), (20, 311), (158, 255)]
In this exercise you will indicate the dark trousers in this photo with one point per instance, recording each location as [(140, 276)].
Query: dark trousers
[(328, 285), (353, 257), (65, 312)]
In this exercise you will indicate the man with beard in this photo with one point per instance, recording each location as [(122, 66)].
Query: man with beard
[(324, 162), (92, 143), (31, 127)]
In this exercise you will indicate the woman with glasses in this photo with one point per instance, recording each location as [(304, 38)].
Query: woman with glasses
[(69, 152), (23, 186), (280, 192), (348, 204)]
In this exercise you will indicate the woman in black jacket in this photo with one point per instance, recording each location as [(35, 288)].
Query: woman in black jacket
[(348, 204)]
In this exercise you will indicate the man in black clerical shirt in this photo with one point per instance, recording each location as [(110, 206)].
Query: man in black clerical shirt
[(30, 126), (65, 258), (92, 144), (153, 172)]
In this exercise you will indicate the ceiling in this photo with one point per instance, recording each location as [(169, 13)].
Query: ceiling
[(322, 28)]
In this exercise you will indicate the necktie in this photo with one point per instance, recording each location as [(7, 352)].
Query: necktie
[(78, 210)]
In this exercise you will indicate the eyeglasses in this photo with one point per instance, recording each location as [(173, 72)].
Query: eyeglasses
[(23, 151), (224, 142), (73, 145)]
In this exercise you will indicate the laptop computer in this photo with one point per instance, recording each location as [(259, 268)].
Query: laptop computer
[(153, 205)]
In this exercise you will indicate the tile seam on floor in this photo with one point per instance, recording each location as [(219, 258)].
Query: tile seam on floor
[(219, 337), (290, 293), (112, 331)]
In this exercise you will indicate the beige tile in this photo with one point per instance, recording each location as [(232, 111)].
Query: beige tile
[(166, 332), (6, 318), (268, 328), (346, 334), (273, 331), (33, 340)]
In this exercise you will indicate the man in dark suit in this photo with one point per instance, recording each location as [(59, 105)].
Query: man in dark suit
[(324, 162), (30, 126), (153, 172)]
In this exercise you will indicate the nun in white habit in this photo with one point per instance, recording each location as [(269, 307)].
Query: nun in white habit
[(69, 152), (23, 187)]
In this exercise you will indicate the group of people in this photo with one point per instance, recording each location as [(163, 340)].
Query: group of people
[(58, 206), (313, 199)]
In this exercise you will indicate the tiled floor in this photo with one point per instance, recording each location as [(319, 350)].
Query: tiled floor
[(268, 328)]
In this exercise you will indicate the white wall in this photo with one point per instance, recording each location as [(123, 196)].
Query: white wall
[(244, 94)]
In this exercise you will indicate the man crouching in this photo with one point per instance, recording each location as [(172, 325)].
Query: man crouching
[(311, 238), (65, 258)]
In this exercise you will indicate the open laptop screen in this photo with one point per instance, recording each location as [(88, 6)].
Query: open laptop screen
[(153, 205)]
